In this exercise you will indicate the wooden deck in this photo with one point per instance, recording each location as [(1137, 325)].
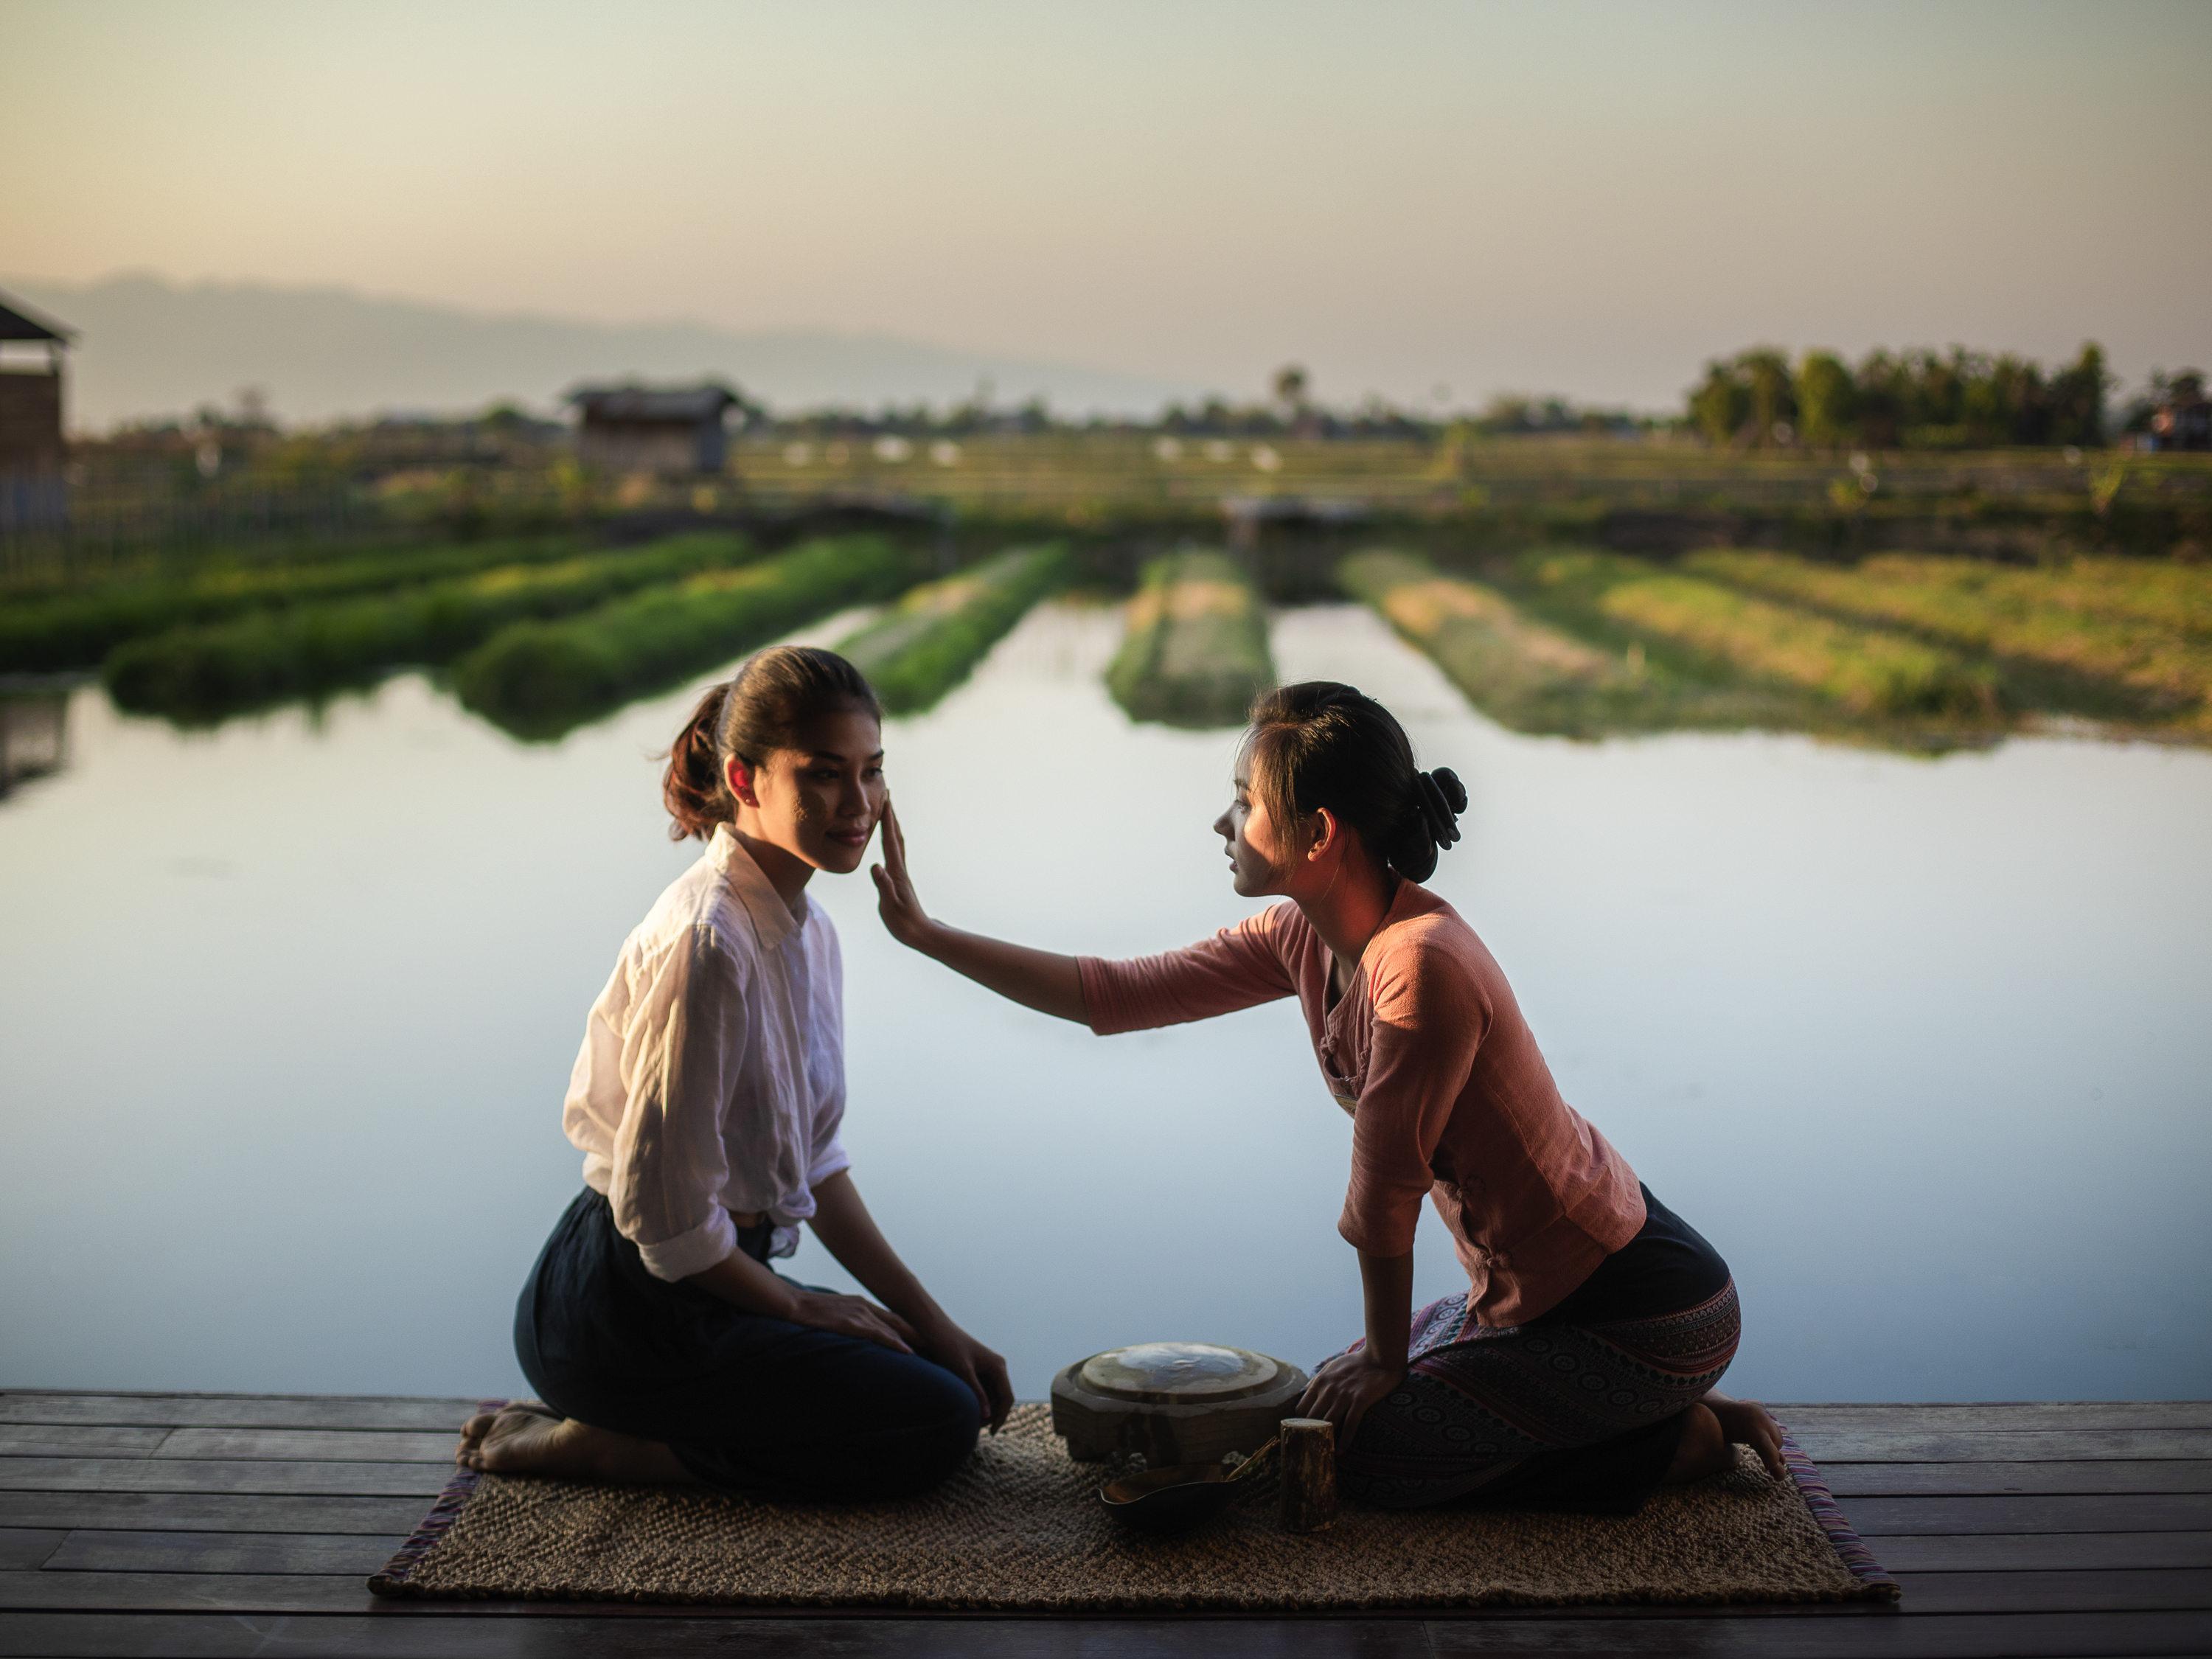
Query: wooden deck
[(214, 1525)]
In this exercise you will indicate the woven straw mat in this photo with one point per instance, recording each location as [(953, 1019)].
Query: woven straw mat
[(1020, 1527)]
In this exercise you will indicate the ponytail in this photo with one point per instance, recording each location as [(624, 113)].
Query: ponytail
[(692, 789)]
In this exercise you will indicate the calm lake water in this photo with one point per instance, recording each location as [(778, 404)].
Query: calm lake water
[(1924, 1045)]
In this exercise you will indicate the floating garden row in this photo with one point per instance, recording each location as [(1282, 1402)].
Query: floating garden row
[(1574, 640), (1525, 675), (1195, 653), (541, 679), (932, 639), (77, 630), (203, 674), (2107, 635)]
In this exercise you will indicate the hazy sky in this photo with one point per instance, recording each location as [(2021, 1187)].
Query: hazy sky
[(1585, 197)]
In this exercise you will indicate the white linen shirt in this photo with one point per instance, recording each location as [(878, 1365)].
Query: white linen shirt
[(711, 1076)]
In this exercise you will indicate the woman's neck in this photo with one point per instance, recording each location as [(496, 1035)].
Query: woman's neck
[(786, 873), (1348, 910)]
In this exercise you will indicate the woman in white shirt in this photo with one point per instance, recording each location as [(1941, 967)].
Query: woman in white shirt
[(707, 1101)]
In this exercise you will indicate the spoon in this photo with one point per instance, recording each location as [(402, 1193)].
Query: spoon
[(1178, 1495)]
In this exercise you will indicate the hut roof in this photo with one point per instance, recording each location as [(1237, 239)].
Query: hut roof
[(638, 403), (19, 322)]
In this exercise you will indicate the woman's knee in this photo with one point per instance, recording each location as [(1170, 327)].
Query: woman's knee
[(933, 1427)]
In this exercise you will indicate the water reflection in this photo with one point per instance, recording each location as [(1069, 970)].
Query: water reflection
[(288, 1012), (34, 736)]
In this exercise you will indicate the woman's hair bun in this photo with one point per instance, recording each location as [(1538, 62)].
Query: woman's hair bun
[(1441, 798)]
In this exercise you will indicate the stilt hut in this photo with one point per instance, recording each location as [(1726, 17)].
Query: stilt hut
[(667, 431), (33, 493)]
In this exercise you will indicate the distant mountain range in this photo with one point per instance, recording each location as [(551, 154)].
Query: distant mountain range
[(149, 348)]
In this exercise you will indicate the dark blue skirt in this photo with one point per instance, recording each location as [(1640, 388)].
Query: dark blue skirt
[(746, 1403)]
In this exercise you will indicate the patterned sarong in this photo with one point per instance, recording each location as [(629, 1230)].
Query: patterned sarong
[(1480, 1402)]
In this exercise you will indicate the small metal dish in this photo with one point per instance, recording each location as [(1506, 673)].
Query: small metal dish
[(1179, 1496)]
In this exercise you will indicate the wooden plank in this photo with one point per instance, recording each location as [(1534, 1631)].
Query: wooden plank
[(455, 1634), (320, 1445), (57, 1408), (165, 1511), (1850, 1446), (1945, 1418), (1876, 1518), (1897, 1479), (236, 1411), (126, 1636), (71, 1440), (2030, 1636), (86, 1550), (24, 1548), (424, 1480), (1990, 1445), (2049, 1551), (185, 1592), (1991, 1588), (2156, 1589)]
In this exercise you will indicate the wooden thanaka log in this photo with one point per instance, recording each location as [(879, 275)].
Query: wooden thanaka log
[(1308, 1482)]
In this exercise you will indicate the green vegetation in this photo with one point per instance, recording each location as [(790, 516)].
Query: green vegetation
[(938, 633), (77, 629), (203, 673), (1719, 633), (2108, 635), (1196, 650), (1916, 400), (1520, 672), (541, 679)]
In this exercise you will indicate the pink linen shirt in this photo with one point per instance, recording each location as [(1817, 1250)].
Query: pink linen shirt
[(1448, 1095), (712, 1075)]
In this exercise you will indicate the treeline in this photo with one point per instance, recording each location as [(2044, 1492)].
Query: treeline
[(1759, 399)]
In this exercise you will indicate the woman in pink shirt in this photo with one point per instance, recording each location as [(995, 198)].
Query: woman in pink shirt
[(1577, 1369)]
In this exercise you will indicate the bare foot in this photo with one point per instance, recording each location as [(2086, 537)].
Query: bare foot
[(528, 1439), (1703, 1449), (1713, 1427), (473, 1430)]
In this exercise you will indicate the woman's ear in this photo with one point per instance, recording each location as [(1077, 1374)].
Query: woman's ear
[(739, 777), (1325, 835)]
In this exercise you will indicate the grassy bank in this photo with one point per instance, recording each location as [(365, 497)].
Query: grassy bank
[(1195, 653), (1519, 672), (78, 630), (934, 636), (2109, 636), (203, 674), (1716, 632), (540, 679)]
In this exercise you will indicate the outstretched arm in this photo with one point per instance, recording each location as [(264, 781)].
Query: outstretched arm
[(1042, 979)]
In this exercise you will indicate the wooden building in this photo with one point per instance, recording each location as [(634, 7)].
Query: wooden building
[(32, 494), (669, 431)]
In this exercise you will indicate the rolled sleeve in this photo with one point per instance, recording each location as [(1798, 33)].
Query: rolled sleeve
[(826, 1153), (830, 1160), (693, 1252), (1238, 967), (669, 1167), (1423, 1048)]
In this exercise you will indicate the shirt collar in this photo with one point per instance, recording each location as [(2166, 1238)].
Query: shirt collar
[(772, 918)]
